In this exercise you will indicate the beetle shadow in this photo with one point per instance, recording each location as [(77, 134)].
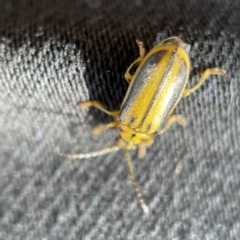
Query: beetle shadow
[(107, 45)]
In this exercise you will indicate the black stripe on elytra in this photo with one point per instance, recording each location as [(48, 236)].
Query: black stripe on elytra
[(139, 81), (164, 79)]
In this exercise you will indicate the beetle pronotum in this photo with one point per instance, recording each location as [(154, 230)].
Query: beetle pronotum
[(155, 89)]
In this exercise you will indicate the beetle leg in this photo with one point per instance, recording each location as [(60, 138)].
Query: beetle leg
[(105, 126), (142, 147), (98, 105), (206, 74), (172, 119), (127, 75), (141, 48), (142, 150)]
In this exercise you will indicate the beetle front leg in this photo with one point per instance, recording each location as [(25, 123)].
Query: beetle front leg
[(98, 105), (101, 128), (206, 74), (142, 147), (171, 120), (127, 74)]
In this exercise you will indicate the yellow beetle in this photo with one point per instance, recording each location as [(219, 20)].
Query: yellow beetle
[(155, 89)]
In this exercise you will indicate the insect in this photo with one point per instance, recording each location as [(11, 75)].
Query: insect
[(155, 89)]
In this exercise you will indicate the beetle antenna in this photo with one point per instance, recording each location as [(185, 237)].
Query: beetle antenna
[(139, 195), (91, 154)]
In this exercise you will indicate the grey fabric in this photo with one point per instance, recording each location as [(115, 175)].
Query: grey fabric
[(57, 54)]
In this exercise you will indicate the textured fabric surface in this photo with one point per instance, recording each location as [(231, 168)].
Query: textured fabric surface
[(56, 54)]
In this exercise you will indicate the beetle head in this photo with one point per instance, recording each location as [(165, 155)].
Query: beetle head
[(131, 136)]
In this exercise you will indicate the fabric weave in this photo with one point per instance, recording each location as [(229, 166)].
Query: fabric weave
[(57, 54)]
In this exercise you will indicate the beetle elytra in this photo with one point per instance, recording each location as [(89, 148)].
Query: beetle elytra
[(155, 89)]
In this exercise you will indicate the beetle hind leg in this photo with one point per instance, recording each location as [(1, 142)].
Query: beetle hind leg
[(206, 74), (171, 120), (141, 48), (98, 105), (127, 74)]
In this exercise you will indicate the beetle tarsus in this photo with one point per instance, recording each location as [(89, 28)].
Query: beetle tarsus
[(141, 48)]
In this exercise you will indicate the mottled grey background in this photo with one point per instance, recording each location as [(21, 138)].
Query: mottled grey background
[(56, 54)]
